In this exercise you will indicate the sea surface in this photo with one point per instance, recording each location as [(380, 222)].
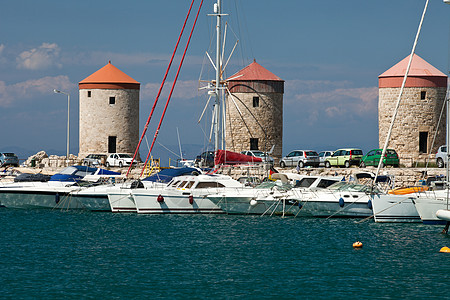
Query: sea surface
[(67, 254)]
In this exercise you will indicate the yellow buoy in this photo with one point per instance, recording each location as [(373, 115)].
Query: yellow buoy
[(445, 250), (358, 244)]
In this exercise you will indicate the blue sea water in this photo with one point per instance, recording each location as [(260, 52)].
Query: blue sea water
[(64, 254)]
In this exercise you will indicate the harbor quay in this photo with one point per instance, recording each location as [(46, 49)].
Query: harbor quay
[(400, 177)]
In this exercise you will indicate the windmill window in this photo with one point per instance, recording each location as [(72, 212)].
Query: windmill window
[(255, 101), (112, 100), (423, 95), (89, 94), (423, 142), (112, 144)]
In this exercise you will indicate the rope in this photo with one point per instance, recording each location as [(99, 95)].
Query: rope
[(159, 92), (173, 85), (400, 95)]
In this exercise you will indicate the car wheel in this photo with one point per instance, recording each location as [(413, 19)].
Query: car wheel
[(327, 164), (107, 164), (440, 163), (362, 165), (347, 164), (282, 164), (120, 164), (301, 164), (85, 163)]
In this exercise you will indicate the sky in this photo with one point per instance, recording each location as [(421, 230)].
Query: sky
[(329, 53)]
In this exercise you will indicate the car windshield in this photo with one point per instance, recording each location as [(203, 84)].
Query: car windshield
[(125, 156), (9, 154), (391, 152), (357, 152), (311, 153), (258, 153)]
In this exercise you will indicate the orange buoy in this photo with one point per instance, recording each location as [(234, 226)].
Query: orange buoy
[(445, 250), (357, 244)]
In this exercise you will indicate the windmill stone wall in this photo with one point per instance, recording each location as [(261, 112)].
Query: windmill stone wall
[(109, 112), (259, 95), (419, 127)]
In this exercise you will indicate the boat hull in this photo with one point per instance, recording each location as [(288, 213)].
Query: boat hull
[(395, 209), (248, 205), (336, 204), (428, 204), (173, 203), (121, 201), (44, 199)]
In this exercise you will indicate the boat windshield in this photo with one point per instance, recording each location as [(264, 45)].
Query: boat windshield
[(68, 171), (272, 184), (305, 182), (353, 187)]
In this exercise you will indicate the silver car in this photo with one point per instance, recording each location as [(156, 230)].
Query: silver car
[(263, 155), (300, 158), (323, 156), (441, 156)]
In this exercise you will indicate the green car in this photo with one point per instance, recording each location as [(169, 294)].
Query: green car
[(344, 158), (372, 158)]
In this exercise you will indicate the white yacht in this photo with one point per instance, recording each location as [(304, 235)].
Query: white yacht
[(341, 199), (280, 197), (183, 195), (55, 193)]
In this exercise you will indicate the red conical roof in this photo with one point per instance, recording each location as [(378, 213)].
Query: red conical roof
[(109, 77), (254, 71), (421, 74)]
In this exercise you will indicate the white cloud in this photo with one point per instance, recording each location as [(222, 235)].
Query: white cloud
[(327, 99), (2, 47), (42, 57), (16, 93), (183, 90)]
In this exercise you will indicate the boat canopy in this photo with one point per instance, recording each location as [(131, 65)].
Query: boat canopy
[(228, 157), (166, 175), (77, 173)]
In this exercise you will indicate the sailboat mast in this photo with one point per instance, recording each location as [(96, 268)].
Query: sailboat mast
[(217, 105)]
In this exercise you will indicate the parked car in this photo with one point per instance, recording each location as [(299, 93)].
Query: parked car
[(344, 158), (94, 160), (8, 159), (205, 160), (323, 156), (372, 158), (119, 159), (300, 158), (441, 156), (257, 153)]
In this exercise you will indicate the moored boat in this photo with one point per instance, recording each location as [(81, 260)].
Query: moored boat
[(54, 193)]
